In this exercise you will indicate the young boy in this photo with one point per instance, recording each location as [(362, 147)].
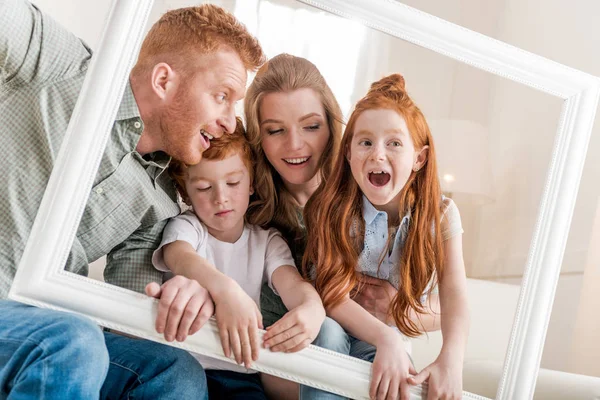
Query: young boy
[(231, 259)]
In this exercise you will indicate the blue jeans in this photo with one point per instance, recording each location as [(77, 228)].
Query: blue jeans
[(55, 355), (333, 337), (230, 385)]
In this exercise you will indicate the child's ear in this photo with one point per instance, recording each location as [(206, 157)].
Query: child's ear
[(251, 190), (421, 158)]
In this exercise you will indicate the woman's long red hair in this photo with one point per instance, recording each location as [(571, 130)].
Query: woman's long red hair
[(335, 224)]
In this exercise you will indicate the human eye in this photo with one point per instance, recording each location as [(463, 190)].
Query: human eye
[(274, 131), (396, 143), (203, 188), (221, 97), (233, 183), (313, 127), (365, 142)]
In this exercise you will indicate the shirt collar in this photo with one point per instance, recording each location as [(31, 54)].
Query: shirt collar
[(370, 212), (128, 108)]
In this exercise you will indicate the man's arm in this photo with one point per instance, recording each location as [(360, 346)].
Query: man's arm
[(129, 264), (184, 306), (34, 47)]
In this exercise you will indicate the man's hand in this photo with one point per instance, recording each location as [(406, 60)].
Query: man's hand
[(183, 309), (376, 296)]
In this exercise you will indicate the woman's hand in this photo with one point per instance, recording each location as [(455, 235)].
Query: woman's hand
[(375, 297), (391, 369), (444, 376), (238, 319), (297, 329)]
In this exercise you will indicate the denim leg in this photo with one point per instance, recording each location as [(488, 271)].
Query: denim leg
[(362, 350), (47, 354), (230, 385), (332, 337), (141, 369)]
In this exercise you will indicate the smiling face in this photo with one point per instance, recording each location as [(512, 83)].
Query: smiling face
[(219, 191), (382, 156), (294, 134), (203, 107)]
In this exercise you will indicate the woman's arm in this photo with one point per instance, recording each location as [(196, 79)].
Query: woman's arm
[(359, 322), (377, 294), (300, 326), (294, 290)]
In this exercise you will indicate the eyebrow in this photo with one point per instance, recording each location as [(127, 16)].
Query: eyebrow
[(389, 131), (277, 121), (201, 178)]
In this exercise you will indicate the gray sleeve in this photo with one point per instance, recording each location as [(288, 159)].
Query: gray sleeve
[(34, 47), (129, 264)]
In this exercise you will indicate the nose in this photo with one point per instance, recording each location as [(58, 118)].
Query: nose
[(295, 139), (220, 195), (227, 120), (377, 152)]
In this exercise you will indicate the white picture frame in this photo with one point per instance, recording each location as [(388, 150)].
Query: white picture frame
[(41, 280)]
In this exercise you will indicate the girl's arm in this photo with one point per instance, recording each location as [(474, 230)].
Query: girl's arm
[(238, 316), (391, 366), (453, 301), (445, 373), (300, 326)]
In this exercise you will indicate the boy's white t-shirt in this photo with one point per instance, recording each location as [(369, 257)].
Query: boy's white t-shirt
[(250, 261)]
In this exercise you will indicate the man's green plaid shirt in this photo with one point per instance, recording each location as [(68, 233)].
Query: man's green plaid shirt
[(42, 67)]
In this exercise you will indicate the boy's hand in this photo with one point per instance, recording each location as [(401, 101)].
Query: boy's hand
[(183, 309), (238, 319), (297, 329)]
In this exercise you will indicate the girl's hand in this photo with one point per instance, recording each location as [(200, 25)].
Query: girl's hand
[(391, 368), (297, 329), (238, 319), (445, 378)]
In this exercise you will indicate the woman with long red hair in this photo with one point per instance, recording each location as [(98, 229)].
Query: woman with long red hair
[(382, 213)]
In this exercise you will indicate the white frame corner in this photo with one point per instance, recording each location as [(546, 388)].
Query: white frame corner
[(41, 280)]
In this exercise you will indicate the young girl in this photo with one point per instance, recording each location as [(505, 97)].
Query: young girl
[(382, 213)]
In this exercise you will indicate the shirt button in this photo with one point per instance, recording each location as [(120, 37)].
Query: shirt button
[(99, 190), (137, 124)]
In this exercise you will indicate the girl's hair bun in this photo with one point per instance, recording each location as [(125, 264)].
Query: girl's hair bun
[(390, 83)]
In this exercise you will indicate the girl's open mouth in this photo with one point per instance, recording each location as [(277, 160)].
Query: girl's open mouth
[(379, 178)]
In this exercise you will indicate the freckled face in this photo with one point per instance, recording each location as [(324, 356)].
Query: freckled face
[(204, 106), (381, 156), (294, 134), (219, 191)]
